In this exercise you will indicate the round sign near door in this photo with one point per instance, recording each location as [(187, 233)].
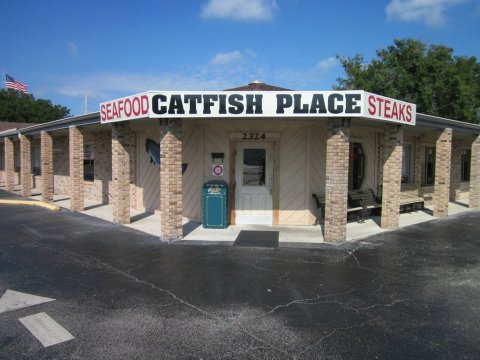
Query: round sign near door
[(217, 169)]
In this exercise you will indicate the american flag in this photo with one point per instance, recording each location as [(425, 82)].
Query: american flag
[(11, 83)]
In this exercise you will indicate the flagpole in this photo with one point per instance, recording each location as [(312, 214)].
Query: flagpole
[(85, 104)]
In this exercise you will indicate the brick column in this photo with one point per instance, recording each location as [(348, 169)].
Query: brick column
[(171, 178), (46, 154), (419, 161), (121, 172), (9, 164), (455, 170), (474, 201), (392, 176), (336, 185), (75, 140), (26, 165), (443, 160)]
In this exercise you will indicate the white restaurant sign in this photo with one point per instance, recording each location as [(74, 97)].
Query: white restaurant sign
[(274, 104)]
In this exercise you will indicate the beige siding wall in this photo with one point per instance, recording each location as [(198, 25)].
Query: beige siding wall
[(193, 156), (296, 179), (148, 173), (147, 181), (217, 140), (318, 145), (294, 209)]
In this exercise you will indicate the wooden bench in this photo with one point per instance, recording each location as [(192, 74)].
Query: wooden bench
[(362, 201), (359, 203), (409, 202), (319, 199)]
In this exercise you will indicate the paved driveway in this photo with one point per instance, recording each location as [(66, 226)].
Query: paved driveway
[(412, 293)]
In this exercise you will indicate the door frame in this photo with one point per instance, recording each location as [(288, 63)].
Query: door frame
[(252, 136)]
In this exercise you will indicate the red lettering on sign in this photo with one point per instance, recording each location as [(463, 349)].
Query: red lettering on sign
[(380, 107), (103, 114), (136, 106), (371, 102), (124, 109), (409, 113), (395, 111), (389, 109), (128, 108), (401, 114), (144, 104), (386, 112), (115, 111), (109, 111)]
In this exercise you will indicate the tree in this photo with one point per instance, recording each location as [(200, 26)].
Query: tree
[(19, 107), (430, 76)]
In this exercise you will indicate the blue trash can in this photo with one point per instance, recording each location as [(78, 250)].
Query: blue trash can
[(215, 204)]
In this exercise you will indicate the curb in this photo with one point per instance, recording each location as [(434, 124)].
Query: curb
[(31, 203)]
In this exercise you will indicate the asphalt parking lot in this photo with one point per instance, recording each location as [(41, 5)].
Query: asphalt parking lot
[(121, 294)]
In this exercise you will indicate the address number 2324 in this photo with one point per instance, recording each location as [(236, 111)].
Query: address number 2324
[(254, 136)]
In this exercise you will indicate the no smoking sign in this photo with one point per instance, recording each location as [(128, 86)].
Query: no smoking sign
[(217, 169)]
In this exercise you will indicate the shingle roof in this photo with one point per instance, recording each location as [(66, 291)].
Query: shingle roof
[(7, 125), (258, 86)]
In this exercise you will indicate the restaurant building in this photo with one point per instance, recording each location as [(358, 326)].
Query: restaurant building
[(273, 147)]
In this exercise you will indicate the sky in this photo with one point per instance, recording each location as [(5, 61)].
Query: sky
[(105, 49)]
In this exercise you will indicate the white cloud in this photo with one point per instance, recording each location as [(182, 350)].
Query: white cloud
[(319, 74), (240, 9), (108, 85), (432, 12), (327, 64), (232, 57), (227, 58), (72, 49), (215, 75)]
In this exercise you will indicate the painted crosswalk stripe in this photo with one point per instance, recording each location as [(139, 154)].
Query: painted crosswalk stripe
[(45, 329)]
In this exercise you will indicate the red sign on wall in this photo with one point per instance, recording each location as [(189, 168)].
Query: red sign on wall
[(217, 170)]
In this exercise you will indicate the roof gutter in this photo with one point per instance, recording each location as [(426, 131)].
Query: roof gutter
[(442, 123), (9, 132), (82, 120)]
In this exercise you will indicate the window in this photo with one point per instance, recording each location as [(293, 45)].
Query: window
[(88, 163), (429, 166), (407, 164), (356, 168), (254, 166), (36, 170), (466, 155)]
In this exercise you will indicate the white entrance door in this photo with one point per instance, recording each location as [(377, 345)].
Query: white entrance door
[(254, 183)]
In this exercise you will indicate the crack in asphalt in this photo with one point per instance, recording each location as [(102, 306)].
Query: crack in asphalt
[(186, 303), (80, 257)]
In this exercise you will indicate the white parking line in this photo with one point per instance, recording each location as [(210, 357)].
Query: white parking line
[(13, 300), (45, 329)]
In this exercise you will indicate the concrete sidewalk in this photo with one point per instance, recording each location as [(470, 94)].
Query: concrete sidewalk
[(288, 235)]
